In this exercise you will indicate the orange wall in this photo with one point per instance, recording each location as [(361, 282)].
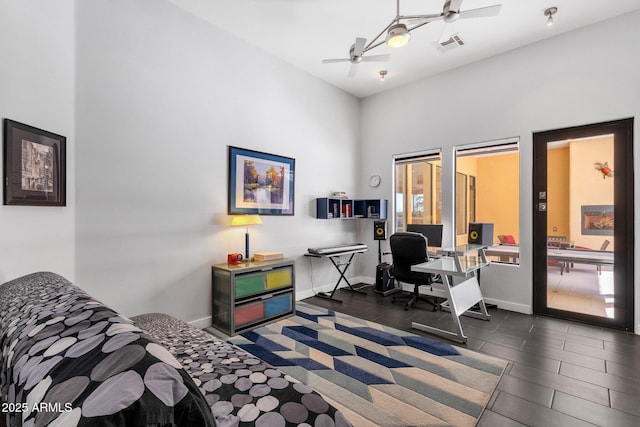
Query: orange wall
[(498, 193), (558, 192), (588, 187)]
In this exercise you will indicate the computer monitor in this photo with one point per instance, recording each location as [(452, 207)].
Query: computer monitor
[(433, 233)]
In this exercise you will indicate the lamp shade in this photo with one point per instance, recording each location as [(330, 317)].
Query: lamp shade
[(246, 220)]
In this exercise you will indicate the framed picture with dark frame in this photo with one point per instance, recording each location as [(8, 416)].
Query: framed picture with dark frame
[(34, 166), (260, 183)]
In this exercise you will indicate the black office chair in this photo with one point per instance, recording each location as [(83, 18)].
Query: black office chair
[(409, 249)]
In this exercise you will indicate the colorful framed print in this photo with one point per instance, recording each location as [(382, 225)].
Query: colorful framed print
[(260, 183)]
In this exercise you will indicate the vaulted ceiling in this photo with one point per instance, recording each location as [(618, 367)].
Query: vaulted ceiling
[(304, 32)]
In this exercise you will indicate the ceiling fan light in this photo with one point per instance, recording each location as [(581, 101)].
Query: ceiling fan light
[(398, 35)]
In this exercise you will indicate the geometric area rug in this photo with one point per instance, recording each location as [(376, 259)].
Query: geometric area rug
[(377, 375)]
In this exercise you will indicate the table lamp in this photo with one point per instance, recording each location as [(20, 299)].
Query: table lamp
[(246, 220)]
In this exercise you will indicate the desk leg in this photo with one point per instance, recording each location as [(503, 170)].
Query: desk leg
[(337, 265), (459, 298)]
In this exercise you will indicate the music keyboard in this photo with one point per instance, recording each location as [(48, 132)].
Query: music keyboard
[(328, 250)]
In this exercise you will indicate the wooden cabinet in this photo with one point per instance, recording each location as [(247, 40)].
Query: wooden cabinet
[(249, 294), (330, 208)]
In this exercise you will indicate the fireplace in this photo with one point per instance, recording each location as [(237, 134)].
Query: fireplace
[(597, 220)]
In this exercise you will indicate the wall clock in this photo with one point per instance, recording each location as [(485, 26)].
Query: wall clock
[(374, 180)]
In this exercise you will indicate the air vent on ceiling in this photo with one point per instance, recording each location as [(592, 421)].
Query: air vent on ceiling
[(451, 43)]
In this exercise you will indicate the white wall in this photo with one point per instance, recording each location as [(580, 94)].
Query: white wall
[(586, 76), (160, 95), (37, 88)]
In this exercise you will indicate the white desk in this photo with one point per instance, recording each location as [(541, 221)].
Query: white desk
[(463, 261)]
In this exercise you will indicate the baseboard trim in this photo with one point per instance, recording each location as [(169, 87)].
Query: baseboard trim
[(510, 306), (355, 282), (205, 322), (503, 305)]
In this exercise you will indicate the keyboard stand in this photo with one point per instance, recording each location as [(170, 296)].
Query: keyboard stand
[(335, 260)]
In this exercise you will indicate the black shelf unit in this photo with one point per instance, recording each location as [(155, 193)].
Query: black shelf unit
[(337, 208)]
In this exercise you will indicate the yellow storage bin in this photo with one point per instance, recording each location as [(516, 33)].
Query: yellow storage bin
[(279, 278)]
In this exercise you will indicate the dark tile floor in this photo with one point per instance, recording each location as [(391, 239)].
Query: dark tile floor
[(560, 373)]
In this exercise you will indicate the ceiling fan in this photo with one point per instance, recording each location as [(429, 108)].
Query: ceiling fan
[(451, 12), (398, 31), (356, 53)]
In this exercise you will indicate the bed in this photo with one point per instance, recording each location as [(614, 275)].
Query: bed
[(69, 360)]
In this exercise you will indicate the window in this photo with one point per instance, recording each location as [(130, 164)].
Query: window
[(487, 189), (418, 190)]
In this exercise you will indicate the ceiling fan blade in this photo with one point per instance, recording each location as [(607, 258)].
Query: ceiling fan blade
[(452, 5), (376, 58), (353, 70), (358, 47), (329, 61), (483, 12), (423, 19)]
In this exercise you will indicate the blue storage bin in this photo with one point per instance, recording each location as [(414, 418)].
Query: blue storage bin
[(278, 305)]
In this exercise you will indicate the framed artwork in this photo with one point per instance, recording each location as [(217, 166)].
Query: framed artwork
[(34, 166), (260, 183)]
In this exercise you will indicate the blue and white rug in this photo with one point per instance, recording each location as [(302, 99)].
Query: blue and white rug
[(377, 375)]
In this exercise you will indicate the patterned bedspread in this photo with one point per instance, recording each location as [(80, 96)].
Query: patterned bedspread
[(67, 360), (241, 389)]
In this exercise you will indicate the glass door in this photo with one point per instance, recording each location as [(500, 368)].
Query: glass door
[(583, 200)]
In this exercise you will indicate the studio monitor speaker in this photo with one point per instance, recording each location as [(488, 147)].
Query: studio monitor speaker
[(379, 230), (481, 233)]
